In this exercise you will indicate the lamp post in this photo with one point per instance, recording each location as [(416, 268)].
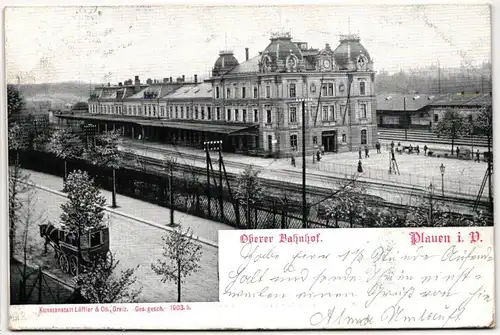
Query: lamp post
[(304, 201), (431, 189), (442, 168)]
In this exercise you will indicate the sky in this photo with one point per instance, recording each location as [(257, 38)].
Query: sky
[(113, 44)]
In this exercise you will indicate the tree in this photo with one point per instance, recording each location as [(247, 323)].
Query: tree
[(66, 144), (182, 253), (15, 100), (348, 203), (100, 284), (19, 184), (84, 210), (17, 140), (105, 153), (453, 126), (248, 191)]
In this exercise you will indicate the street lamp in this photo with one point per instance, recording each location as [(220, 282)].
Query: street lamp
[(304, 202), (442, 168)]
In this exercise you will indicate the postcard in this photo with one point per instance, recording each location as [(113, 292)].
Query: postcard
[(284, 166)]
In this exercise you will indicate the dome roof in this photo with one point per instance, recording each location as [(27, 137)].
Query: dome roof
[(224, 63), (349, 50), (281, 47)]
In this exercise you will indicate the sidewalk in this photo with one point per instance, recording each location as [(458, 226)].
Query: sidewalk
[(203, 228)]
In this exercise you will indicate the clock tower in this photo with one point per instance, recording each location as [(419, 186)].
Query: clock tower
[(325, 61)]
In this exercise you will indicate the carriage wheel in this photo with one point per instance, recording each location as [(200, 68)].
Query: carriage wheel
[(73, 266), (63, 263)]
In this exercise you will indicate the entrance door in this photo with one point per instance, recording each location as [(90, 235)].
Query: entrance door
[(270, 142), (329, 140)]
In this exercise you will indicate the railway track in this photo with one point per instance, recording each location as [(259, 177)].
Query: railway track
[(428, 137), (458, 202)]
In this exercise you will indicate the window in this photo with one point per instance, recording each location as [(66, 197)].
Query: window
[(255, 115), (187, 113), (243, 92), (135, 110), (113, 109), (218, 113), (95, 239), (362, 88), (244, 112), (344, 138), (315, 140), (363, 111), (255, 92), (293, 141), (436, 118), (268, 91), (324, 90), (176, 112), (228, 115), (330, 89), (325, 113), (154, 110), (203, 112), (292, 91), (170, 115), (332, 112), (162, 111), (470, 118), (209, 113), (196, 112), (269, 119), (236, 115), (217, 92), (293, 114), (228, 93), (342, 110), (363, 136)]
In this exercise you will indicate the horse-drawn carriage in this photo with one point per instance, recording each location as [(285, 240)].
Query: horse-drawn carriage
[(72, 250)]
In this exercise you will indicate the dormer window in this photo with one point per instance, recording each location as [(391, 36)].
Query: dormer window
[(362, 88)]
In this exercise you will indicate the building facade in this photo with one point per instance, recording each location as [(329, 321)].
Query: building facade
[(254, 106)]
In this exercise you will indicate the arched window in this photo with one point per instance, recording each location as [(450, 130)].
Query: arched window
[(363, 136)]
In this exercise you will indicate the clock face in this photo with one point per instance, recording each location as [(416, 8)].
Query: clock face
[(326, 63)]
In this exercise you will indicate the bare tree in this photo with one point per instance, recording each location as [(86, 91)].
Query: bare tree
[(182, 255), (66, 144), (248, 191), (19, 183), (101, 283)]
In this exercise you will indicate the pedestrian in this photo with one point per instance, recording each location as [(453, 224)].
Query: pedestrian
[(425, 150), (366, 152), (322, 150), (399, 144), (360, 167), (458, 152), (318, 156), (392, 145), (359, 152), (410, 149), (477, 156), (417, 149), (378, 147), (392, 154), (293, 158)]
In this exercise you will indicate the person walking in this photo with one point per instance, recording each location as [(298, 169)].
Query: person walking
[(367, 151), (293, 157), (392, 145), (378, 147), (322, 150), (477, 156), (318, 156), (360, 167), (359, 152), (458, 152), (425, 150)]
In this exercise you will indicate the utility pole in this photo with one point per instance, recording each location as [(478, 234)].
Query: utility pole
[(304, 200), (221, 198), (207, 148), (170, 184), (405, 118), (439, 78)]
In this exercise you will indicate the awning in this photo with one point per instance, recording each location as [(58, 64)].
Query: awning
[(202, 126)]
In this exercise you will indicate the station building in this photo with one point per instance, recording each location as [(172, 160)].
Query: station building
[(253, 106)]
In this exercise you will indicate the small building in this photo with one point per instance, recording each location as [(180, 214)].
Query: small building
[(397, 110), (467, 104)]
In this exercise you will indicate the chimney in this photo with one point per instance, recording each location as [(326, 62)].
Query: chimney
[(195, 78), (246, 53), (149, 81), (137, 84), (183, 78), (165, 80)]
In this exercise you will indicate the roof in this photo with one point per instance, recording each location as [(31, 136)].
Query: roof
[(396, 101), (251, 65), (219, 127), (191, 91), (466, 99)]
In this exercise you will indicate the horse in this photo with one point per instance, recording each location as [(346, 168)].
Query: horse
[(50, 233)]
